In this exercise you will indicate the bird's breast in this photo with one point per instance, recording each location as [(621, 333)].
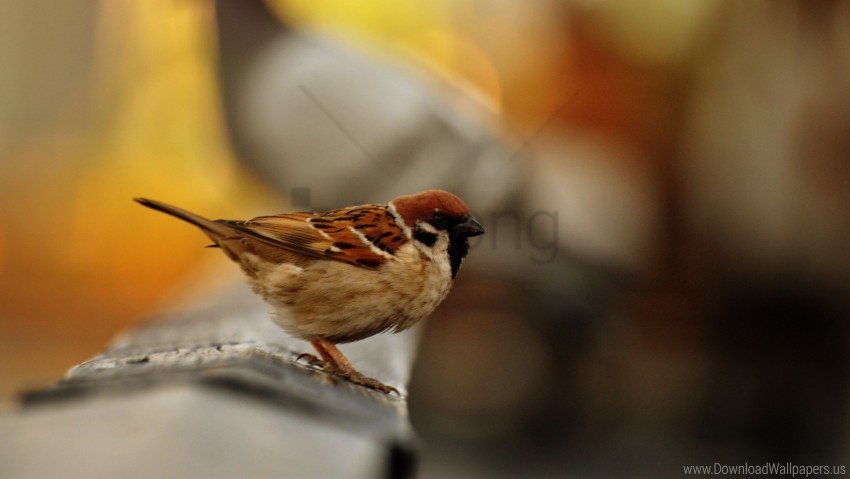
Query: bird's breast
[(342, 302)]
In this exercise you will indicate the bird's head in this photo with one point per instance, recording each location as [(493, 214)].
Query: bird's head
[(438, 223)]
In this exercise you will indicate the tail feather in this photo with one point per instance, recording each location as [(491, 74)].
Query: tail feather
[(213, 229)]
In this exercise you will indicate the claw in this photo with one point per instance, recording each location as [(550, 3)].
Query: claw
[(311, 360)]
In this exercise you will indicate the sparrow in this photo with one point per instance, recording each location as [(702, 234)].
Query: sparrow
[(348, 274)]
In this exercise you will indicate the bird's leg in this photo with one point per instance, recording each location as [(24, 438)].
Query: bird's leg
[(334, 362)]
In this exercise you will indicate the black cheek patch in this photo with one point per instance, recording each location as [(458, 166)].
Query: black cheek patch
[(424, 237)]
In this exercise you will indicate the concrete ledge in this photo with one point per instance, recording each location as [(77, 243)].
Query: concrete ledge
[(224, 367)]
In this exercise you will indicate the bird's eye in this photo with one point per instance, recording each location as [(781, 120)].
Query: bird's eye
[(439, 221)]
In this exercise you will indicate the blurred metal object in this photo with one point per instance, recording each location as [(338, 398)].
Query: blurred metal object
[(212, 393), (306, 113)]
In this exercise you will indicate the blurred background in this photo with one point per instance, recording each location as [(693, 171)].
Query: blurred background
[(664, 184)]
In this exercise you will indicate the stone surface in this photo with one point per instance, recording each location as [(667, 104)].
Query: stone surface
[(215, 392)]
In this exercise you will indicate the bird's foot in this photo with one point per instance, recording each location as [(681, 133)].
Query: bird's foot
[(354, 376), (358, 378), (335, 363), (312, 360)]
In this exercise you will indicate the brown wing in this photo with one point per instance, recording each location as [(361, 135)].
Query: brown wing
[(365, 236)]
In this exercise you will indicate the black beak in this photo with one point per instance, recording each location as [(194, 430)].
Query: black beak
[(469, 228)]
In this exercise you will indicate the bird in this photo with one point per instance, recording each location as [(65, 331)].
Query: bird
[(347, 274)]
